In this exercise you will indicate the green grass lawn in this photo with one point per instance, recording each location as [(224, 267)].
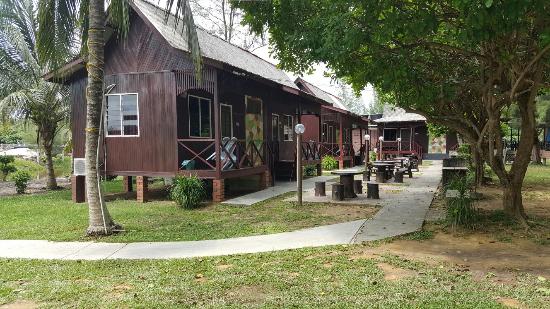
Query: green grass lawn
[(62, 167), (53, 216), (331, 277), (538, 175)]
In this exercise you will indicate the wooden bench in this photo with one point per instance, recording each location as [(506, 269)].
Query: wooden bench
[(337, 192), (320, 188), (358, 186), (373, 190)]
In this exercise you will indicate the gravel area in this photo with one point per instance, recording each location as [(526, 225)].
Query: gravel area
[(7, 188)]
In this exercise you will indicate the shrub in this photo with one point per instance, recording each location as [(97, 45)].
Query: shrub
[(21, 179), (372, 156), (7, 166), (187, 192), (464, 152), (9, 136), (460, 209), (310, 170), (329, 163)]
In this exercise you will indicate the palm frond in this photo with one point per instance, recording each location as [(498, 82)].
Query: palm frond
[(56, 32), (119, 16), (183, 14)]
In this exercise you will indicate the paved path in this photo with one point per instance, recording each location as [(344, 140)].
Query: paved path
[(404, 211), (279, 189), (402, 214)]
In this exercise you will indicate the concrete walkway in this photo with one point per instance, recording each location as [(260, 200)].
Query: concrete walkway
[(279, 189), (403, 212)]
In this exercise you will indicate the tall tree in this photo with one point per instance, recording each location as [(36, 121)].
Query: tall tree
[(60, 21), (350, 99), (505, 43), (23, 94), (223, 19)]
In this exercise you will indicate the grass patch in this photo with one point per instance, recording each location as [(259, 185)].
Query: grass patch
[(53, 216), (321, 278), (62, 167), (419, 235)]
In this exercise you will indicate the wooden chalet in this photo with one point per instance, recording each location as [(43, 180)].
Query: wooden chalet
[(161, 122), (341, 132), (404, 134)]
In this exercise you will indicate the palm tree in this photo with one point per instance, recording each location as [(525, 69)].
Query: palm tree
[(58, 20), (23, 94)]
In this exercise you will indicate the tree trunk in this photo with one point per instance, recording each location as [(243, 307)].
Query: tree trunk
[(478, 165), (52, 183), (100, 222), (538, 159), (513, 202)]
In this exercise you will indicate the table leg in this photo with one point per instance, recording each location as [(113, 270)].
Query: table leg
[(347, 181)]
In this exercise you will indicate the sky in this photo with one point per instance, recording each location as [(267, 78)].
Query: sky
[(318, 78)]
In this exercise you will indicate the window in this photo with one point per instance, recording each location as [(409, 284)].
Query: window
[(390, 135), (226, 120), (347, 136), (122, 115), (275, 127), (288, 127), (325, 133), (199, 116)]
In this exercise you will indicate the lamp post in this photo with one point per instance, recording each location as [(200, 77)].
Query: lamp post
[(366, 173), (381, 139), (299, 129), (399, 146)]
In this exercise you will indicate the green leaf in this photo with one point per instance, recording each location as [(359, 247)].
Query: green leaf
[(488, 3)]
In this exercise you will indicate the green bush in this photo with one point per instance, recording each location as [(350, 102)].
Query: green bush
[(464, 151), (460, 209), (9, 135), (372, 156), (21, 179), (188, 192), (329, 163), (7, 166), (310, 170)]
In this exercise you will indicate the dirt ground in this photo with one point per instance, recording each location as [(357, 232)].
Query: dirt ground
[(498, 249), (7, 188)]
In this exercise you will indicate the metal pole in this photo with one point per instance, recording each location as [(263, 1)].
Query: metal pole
[(299, 167)]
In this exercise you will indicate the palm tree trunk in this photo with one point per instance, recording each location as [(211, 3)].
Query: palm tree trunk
[(100, 222), (47, 145)]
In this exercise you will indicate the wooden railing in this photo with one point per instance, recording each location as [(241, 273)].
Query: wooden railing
[(311, 150), (333, 149), (200, 154)]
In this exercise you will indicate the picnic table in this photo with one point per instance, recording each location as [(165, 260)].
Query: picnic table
[(346, 178), (384, 168)]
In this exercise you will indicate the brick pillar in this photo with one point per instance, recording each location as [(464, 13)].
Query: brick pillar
[(218, 190), (266, 180), (127, 184), (142, 188), (319, 170), (78, 188)]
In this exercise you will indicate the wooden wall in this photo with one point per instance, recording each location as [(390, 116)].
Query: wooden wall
[(78, 115), (154, 151), (143, 50)]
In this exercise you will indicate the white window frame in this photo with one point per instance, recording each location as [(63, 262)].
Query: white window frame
[(278, 127), (231, 114), (291, 128), (200, 114), (106, 123)]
